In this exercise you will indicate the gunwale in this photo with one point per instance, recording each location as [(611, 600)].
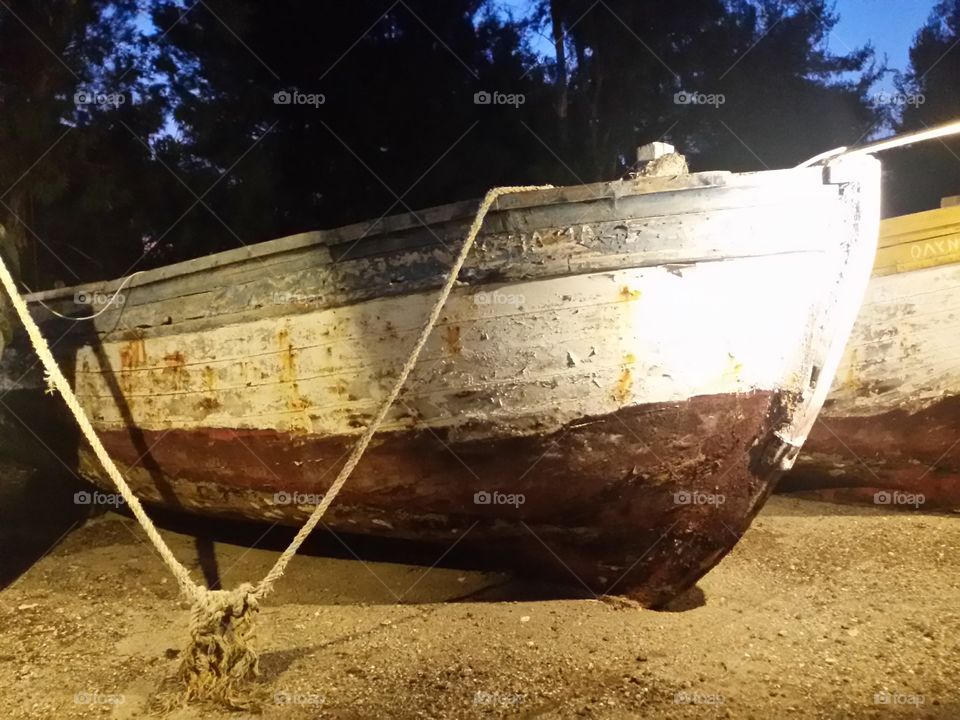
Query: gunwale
[(664, 221), (369, 233)]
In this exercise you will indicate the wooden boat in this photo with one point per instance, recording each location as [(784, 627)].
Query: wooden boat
[(890, 430), (616, 383)]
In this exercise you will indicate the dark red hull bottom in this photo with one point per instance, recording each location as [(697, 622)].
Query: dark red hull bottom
[(641, 502), (868, 459)]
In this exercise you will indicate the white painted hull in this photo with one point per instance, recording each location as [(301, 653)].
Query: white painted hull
[(904, 351), (890, 430), (543, 354)]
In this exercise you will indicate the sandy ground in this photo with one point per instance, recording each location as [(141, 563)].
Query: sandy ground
[(821, 612)]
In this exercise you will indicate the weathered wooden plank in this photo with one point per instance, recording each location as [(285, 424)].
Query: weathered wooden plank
[(652, 191), (903, 349), (923, 252), (299, 283), (918, 226), (586, 344)]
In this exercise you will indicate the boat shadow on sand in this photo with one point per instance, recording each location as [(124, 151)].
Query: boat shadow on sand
[(215, 538), (40, 509)]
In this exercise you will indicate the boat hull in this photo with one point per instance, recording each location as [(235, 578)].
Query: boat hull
[(608, 398), (641, 501), (889, 433)]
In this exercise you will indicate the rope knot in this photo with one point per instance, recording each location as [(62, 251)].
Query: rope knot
[(220, 659)]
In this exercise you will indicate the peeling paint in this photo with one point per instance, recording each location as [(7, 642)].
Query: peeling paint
[(133, 355), (621, 393), (893, 415)]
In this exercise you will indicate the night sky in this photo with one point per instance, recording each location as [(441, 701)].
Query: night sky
[(889, 25)]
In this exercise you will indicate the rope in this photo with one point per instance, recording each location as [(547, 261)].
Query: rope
[(219, 658), (57, 379), (890, 143), (98, 313), (266, 585)]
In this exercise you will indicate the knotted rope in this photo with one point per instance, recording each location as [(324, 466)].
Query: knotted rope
[(219, 658)]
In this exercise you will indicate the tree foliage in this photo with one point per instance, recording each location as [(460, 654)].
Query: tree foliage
[(397, 127), (919, 176), (76, 174), (246, 120), (739, 85)]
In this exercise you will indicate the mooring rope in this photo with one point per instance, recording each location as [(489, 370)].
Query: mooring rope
[(890, 143), (56, 379), (265, 585), (99, 312), (219, 658)]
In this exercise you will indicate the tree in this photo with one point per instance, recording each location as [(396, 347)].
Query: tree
[(918, 177), (318, 115), (737, 84), (75, 178), (242, 121)]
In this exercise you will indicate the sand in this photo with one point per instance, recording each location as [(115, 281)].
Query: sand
[(821, 612)]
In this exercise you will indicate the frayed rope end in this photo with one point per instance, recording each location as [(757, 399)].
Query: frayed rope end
[(220, 660)]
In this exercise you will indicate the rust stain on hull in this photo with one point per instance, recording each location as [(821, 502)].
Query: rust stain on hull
[(621, 393), (628, 501), (174, 371), (289, 375), (853, 458), (133, 355), (288, 357), (451, 340)]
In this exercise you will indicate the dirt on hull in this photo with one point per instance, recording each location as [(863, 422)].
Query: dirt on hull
[(641, 502), (898, 458)]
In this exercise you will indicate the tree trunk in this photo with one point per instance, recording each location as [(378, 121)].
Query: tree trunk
[(561, 82)]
